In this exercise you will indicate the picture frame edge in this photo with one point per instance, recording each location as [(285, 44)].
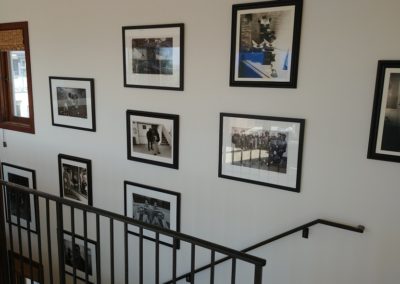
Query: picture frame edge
[(382, 65)]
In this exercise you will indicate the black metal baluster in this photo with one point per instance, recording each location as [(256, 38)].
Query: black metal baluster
[(112, 249), (157, 258), (60, 232), (141, 255), (98, 252), (49, 240), (258, 274), (212, 267), (193, 263), (39, 237), (73, 244), (21, 261), (85, 245), (233, 278), (10, 228), (3, 239), (28, 224), (174, 260), (126, 247)]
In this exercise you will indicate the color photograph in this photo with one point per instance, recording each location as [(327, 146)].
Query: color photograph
[(265, 44)]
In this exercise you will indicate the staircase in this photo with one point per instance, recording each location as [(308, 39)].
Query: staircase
[(75, 243)]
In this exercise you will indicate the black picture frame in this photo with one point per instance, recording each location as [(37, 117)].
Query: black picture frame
[(69, 266), (145, 41), (24, 177), (275, 142), (148, 196), (384, 139), (75, 172), (68, 110), (255, 59), (165, 132)]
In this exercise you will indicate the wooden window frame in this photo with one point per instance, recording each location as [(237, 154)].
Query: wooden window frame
[(7, 118)]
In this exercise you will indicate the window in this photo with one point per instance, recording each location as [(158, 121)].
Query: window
[(16, 103)]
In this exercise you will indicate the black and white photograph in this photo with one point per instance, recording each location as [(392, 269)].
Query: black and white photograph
[(19, 203), (262, 150), (384, 141), (151, 210), (265, 44), (154, 206), (76, 257), (153, 138), (72, 103), (75, 176), (153, 56)]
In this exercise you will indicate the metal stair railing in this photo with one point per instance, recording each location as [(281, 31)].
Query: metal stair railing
[(305, 233), (44, 202)]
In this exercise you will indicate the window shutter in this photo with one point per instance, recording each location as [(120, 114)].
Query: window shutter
[(11, 40)]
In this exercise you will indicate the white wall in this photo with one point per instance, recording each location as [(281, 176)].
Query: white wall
[(341, 43)]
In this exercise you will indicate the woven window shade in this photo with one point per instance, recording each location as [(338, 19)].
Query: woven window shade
[(11, 40)]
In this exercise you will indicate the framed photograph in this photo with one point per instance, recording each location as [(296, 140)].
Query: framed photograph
[(20, 202), (153, 138), (384, 140), (265, 44), (72, 103), (153, 56), (76, 257), (261, 149), (75, 176), (21, 277), (155, 206)]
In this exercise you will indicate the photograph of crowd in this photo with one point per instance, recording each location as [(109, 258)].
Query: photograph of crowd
[(151, 210), (263, 150), (152, 55), (259, 148), (72, 102)]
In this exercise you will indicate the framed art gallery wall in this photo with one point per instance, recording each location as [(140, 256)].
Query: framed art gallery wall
[(341, 43)]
